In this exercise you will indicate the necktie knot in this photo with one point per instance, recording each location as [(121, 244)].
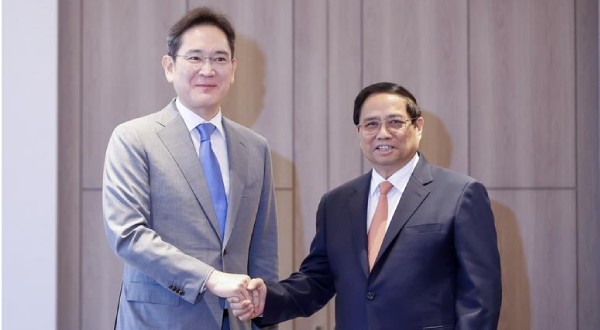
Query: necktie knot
[(385, 187), (206, 130)]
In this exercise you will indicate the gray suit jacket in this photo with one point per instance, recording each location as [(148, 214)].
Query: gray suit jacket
[(160, 220)]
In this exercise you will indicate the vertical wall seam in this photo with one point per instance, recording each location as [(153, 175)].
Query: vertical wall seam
[(328, 90), (575, 96), (468, 87), (362, 66), (80, 156), (293, 129), (328, 114)]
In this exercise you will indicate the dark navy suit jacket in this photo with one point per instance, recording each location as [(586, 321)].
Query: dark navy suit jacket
[(438, 267)]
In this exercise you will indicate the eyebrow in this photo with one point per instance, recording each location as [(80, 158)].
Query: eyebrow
[(387, 117), (199, 51)]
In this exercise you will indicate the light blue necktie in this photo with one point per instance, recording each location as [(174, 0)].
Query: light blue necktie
[(212, 172)]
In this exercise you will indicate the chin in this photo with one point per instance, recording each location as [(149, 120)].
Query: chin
[(204, 103)]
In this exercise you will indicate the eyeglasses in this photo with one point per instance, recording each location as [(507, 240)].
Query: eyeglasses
[(394, 125), (217, 61)]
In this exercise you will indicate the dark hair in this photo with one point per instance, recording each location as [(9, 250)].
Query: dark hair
[(386, 88), (195, 17)]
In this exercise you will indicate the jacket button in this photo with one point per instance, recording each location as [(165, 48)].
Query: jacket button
[(171, 287), (225, 252), (181, 292), (370, 295)]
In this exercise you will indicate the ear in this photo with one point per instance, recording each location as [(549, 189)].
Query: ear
[(419, 126), (233, 66), (359, 137), (169, 67)]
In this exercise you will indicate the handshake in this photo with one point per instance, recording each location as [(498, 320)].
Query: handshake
[(246, 297)]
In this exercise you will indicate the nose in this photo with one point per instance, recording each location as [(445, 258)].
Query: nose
[(207, 68), (384, 133)]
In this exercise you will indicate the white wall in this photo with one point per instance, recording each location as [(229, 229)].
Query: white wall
[(29, 144)]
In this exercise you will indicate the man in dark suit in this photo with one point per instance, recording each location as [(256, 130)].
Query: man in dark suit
[(408, 245), (188, 194)]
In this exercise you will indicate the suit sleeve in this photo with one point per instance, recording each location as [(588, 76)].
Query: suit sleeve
[(479, 289), (308, 290), (263, 261), (126, 204)]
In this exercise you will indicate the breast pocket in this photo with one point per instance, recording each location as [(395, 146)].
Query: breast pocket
[(439, 327), (424, 228)]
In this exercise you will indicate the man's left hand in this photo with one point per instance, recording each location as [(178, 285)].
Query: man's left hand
[(241, 310)]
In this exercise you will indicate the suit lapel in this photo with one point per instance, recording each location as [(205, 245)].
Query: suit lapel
[(413, 196), (357, 204), (238, 169), (176, 138)]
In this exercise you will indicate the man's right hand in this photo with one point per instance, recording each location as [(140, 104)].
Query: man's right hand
[(240, 309)]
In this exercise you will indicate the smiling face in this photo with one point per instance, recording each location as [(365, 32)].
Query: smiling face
[(388, 151), (201, 87)]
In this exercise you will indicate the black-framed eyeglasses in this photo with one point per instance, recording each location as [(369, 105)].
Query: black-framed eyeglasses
[(393, 125), (217, 60)]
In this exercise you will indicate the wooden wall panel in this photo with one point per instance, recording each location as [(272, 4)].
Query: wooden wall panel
[(285, 228), (344, 83), (69, 169), (522, 93), (588, 165), (261, 97), (123, 43), (101, 269), (310, 129), (422, 45), (538, 248), (509, 90)]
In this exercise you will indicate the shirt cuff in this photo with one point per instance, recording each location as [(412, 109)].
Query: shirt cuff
[(203, 287)]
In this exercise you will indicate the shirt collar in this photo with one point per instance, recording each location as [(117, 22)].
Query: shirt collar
[(399, 179), (192, 120)]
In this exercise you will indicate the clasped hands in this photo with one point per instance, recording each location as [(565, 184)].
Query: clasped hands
[(246, 297)]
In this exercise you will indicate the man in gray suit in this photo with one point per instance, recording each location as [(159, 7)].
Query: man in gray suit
[(188, 196)]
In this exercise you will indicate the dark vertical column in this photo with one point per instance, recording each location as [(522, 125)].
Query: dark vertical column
[(69, 165), (588, 167)]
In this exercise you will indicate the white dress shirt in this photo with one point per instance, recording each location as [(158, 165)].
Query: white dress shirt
[(217, 138), (399, 180)]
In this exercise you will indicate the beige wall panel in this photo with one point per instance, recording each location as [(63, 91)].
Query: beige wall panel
[(310, 129), (123, 43), (537, 242), (69, 169), (285, 228), (261, 97), (101, 270), (344, 83), (422, 45), (522, 93), (588, 215)]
